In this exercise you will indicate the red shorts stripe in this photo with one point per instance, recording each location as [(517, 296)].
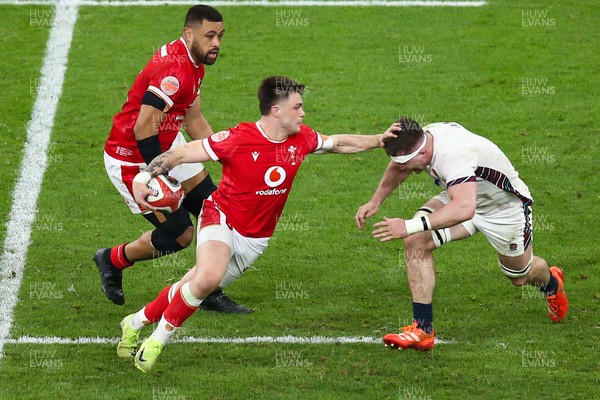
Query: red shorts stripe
[(128, 172), (210, 214)]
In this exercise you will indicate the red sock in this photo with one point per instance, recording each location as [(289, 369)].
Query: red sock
[(118, 257), (178, 311), (155, 309)]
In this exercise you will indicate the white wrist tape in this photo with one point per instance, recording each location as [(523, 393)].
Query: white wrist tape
[(327, 144), (418, 224), (143, 177)]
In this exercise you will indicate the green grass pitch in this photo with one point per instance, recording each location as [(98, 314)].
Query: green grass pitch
[(523, 74)]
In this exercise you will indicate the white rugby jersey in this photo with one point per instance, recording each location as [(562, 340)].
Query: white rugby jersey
[(461, 156)]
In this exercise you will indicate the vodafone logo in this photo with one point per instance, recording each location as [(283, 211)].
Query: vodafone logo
[(274, 176)]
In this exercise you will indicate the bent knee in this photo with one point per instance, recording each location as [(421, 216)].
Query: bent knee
[(206, 282), (186, 237), (421, 241), (517, 277)]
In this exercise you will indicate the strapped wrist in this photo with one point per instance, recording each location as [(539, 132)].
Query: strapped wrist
[(418, 224)]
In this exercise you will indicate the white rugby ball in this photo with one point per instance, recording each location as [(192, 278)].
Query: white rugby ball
[(167, 193)]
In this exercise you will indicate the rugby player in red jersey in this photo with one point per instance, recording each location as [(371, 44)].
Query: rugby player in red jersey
[(164, 98), (260, 160)]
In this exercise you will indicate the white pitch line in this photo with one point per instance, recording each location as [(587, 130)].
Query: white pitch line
[(236, 340), (259, 3), (33, 165)]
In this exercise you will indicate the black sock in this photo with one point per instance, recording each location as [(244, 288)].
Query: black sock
[(551, 287), (423, 314)]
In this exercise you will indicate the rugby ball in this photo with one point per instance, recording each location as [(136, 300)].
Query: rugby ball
[(167, 193)]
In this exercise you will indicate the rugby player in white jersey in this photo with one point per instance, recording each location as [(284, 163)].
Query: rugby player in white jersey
[(481, 192)]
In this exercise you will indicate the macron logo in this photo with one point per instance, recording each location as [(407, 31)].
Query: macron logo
[(255, 155)]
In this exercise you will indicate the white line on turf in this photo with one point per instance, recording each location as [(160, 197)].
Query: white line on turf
[(261, 3), (33, 165), (34, 162), (190, 339)]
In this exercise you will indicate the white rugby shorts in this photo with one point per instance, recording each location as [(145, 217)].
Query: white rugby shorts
[(213, 225), (508, 227), (121, 173)]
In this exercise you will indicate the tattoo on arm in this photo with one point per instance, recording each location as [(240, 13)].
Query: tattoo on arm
[(161, 164)]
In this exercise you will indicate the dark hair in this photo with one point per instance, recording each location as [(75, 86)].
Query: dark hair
[(274, 89), (407, 139), (198, 14)]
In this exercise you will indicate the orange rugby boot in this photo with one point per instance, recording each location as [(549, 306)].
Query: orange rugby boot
[(411, 337), (558, 304)]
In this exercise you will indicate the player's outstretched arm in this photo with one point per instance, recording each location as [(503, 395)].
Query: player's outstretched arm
[(349, 143), (192, 152), (393, 176)]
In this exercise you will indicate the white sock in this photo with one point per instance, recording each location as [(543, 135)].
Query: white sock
[(188, 296), (139, 320), (164, 331)]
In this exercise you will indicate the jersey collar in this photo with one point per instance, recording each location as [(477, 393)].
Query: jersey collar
[(188, 52), (265, 135)]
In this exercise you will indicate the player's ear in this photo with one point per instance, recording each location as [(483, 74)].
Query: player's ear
[(275, 110), (187, 33)]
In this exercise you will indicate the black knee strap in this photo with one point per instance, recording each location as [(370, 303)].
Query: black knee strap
[(194, 199), (164, 243), (164, 237)]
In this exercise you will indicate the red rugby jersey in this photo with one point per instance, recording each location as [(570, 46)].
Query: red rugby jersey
[(172, 75), (257, 174)]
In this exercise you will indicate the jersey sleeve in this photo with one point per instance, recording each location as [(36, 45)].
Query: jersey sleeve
[(314, 139), (166, 85), (220, 145)]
